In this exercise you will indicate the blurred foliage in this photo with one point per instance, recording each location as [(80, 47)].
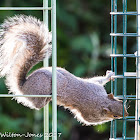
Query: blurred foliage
[(83, 42)]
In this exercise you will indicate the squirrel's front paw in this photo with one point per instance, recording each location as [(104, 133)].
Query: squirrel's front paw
[(109, 75)]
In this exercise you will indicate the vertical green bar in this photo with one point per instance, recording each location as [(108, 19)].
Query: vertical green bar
[(45, 63), (54, 76), (115, 62), (115, 45), (112, 59), (124, 62)]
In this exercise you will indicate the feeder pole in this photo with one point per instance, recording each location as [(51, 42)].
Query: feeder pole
[(46, 64)]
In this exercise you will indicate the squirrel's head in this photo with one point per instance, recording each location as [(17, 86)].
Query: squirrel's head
[(115, 109)]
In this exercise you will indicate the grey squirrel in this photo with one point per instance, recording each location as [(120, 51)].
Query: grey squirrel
[(24, 42)]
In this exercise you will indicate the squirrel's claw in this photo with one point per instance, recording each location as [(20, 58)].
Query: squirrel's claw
[(110, 74)]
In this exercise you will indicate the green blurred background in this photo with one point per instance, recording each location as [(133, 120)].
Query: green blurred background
[(83, 42)]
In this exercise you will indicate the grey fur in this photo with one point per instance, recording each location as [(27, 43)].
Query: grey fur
[(24, 42)]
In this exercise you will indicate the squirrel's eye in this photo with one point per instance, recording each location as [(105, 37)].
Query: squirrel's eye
[(115, 116), (50, 43)]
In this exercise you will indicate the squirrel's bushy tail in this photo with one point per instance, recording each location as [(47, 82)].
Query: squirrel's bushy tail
[(22, 35), (24, 41)]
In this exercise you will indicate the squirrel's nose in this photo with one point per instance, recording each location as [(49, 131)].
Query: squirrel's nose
[(126, 114)]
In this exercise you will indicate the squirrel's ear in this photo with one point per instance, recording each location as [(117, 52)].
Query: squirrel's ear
[(110, 96), (106, 110)]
